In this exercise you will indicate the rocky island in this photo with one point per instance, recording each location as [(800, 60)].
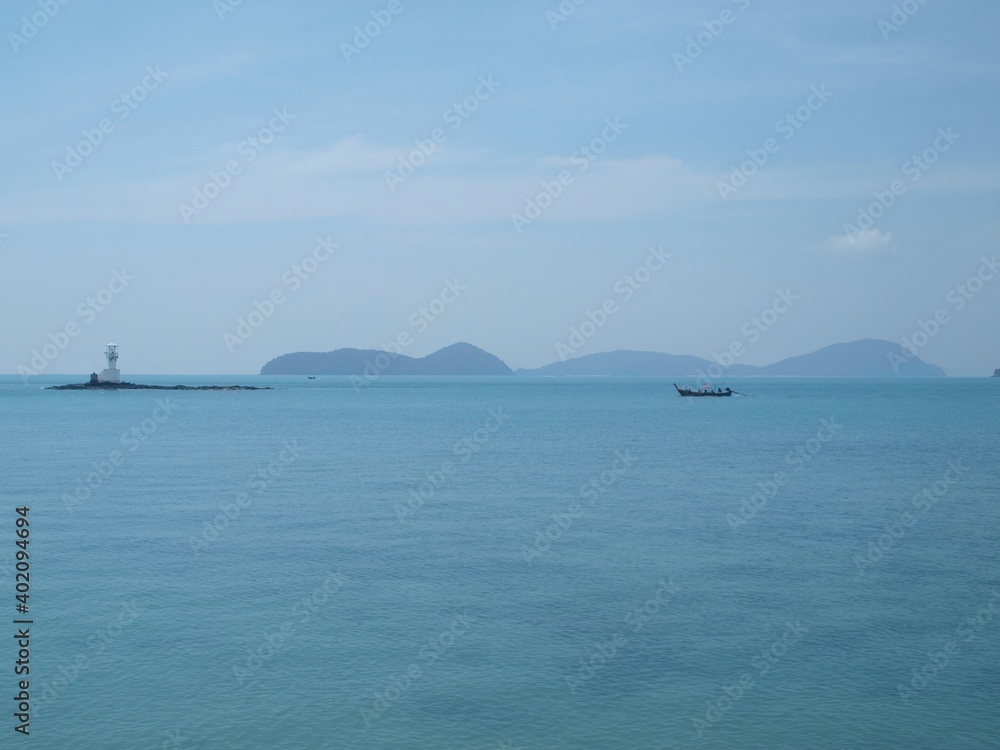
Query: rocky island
[(99, 386), (110, 379)]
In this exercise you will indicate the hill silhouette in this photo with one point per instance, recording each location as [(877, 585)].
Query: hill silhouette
[(864, 358), (457, 359)]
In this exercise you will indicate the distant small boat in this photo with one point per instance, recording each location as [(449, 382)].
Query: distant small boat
[(312, 377), (705, 392)]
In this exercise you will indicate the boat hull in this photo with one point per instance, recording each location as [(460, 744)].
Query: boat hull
[(688, 393)]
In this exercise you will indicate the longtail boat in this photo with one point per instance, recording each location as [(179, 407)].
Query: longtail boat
[(705, 392)]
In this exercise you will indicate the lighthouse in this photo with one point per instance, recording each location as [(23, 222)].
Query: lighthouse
[(111, 374)]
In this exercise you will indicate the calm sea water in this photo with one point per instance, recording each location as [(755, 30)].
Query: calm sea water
[(586, 567)]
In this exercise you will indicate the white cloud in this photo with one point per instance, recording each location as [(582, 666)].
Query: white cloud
[(865, 242)]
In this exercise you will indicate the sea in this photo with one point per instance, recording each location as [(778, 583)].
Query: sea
[(501, 564)]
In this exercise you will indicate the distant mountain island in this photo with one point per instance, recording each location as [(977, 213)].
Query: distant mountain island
[(869, 358), (457, 359)]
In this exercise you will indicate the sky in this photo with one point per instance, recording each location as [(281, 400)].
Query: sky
[(214, 184)]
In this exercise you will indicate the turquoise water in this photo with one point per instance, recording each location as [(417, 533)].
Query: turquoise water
[(585, 569)]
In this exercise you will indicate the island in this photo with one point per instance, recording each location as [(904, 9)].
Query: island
[(98, 386), (457, 359), (867, 358), (110, 379), (996, 373)]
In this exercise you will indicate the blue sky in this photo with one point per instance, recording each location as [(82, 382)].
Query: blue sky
[(200, 79)]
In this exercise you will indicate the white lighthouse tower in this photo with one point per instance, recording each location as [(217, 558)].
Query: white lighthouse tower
[(111, 374)]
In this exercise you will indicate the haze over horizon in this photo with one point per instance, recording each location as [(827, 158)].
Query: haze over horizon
[(497, 175)]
